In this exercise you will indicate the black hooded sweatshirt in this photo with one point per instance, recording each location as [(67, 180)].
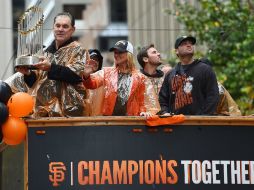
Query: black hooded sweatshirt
[(190, 89)]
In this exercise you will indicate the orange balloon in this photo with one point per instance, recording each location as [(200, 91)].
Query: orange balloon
[(20, 104), (14, 131)]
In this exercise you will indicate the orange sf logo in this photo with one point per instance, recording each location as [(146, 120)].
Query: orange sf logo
[(57, 172)]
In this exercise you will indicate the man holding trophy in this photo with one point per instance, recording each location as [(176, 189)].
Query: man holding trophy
[(54, 79)]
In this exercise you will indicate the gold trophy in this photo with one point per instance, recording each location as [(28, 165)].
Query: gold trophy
[(30, 38)]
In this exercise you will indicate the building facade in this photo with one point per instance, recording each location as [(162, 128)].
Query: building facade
[(148, 23), (6, 49)]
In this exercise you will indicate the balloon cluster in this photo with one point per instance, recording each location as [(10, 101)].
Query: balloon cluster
[(12, 108)]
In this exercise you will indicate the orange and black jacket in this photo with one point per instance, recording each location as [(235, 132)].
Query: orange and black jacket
[(190, 90)]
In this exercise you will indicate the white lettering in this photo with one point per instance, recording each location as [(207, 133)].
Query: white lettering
[(196, 172), (245, 172), (186, 164), (215, 171), (206, 176), (225, 169), (251, 168), (236, 172), (218, 172)]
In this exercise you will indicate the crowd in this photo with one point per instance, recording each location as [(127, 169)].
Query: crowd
[(70, 81)]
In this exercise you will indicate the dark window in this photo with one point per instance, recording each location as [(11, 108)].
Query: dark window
[(18, 9), (76, 10), (105, 43), (118, 10)]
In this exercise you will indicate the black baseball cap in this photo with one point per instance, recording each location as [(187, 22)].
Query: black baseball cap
[(123, 46), (179, 40), (96, 53)]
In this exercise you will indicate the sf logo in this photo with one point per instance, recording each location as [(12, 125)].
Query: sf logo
[(57, 170)]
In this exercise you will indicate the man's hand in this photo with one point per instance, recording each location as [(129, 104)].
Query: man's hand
[(167, 114), (146, 114), (89, 68), (43, 64)]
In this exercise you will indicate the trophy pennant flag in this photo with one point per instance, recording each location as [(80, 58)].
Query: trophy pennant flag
[(30, 37)]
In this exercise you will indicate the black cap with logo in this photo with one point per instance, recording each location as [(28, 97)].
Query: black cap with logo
[(179, 40), (95, 53)]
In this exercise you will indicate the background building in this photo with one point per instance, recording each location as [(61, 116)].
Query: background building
[(6, 49), (148, 23)]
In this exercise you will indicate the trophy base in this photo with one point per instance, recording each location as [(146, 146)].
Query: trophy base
[(27, 61)]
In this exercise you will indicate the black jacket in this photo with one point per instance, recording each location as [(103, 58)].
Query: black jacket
[(190, 90)]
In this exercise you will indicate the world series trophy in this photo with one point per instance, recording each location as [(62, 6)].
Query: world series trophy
[(30, 38)]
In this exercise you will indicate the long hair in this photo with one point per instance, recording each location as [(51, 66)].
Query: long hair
[(130, 62)]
